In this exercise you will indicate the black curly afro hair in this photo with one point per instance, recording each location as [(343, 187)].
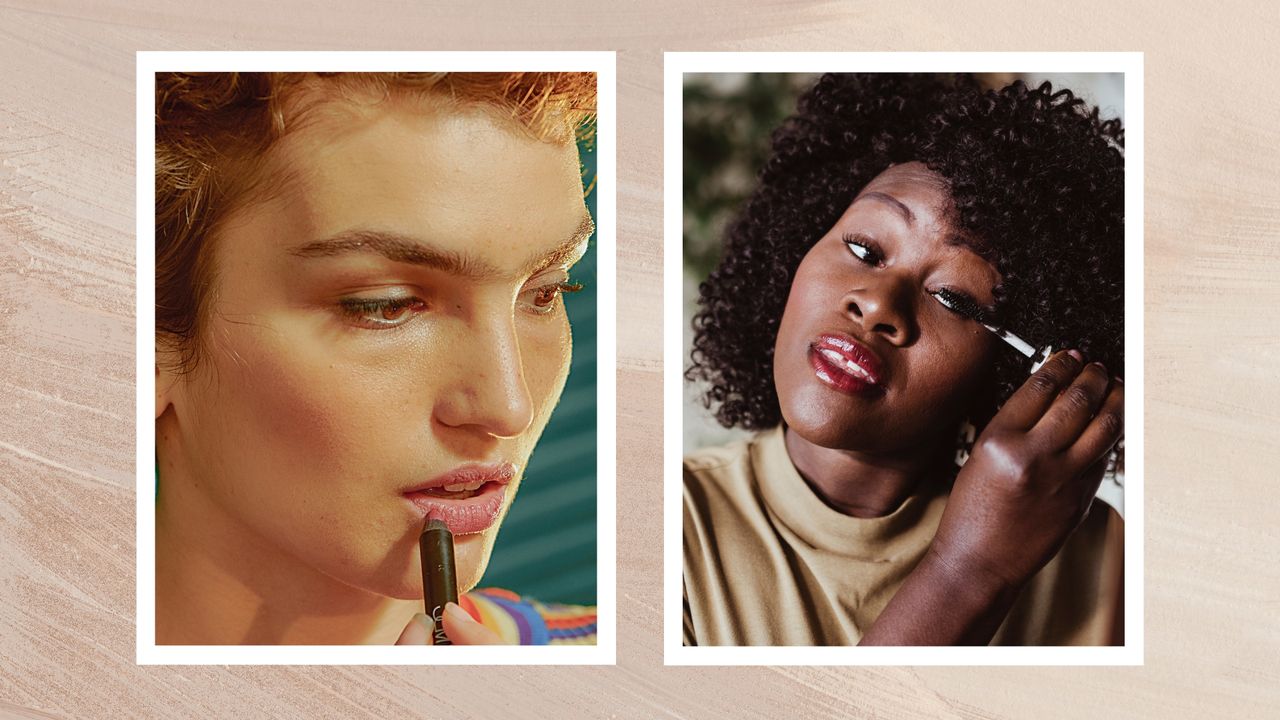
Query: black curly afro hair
[(1034, 172)]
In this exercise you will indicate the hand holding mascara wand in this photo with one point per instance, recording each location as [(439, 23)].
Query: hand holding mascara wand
[(965, 306), (1030, 482)]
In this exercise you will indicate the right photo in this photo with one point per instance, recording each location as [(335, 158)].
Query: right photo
[(903, 359)]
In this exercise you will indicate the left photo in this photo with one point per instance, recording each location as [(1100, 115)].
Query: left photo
[(375, 339)]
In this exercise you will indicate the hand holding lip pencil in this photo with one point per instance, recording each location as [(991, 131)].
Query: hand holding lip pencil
[(459, 627), (445, 622)]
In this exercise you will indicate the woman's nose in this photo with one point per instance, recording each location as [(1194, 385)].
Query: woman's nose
[(488, 392), (884, 307)]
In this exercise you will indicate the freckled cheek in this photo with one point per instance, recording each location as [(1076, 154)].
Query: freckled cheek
[(545, 354), (291, 400)]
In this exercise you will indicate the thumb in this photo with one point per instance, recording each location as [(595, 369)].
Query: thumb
[(463, 629), (418, 631)]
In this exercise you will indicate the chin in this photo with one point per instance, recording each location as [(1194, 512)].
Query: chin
[(825, 423), (854, 432), (829, 436), (470, 557)]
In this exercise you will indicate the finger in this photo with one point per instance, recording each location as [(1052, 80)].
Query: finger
[(1090, 481), (1103, 431), (463, 629), (1071, 411), (1029, 402), (417, 632)]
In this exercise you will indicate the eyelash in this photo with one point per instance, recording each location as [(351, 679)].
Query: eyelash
[(872, 255), (555, 289), (361, 311)]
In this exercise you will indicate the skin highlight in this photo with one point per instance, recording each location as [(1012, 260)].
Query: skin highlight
[(285, 452)]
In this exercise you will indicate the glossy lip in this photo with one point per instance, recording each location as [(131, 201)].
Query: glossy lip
[(464, 515), (845, 364)]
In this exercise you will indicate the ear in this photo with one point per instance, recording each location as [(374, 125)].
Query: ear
[(166, 379)]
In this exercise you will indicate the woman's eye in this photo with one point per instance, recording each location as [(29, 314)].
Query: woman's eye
[(962, 304), (863, 250), (542, 299), (381, 313)]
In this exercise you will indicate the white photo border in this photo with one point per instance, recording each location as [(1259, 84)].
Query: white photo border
[(676, 65), (603, 64)]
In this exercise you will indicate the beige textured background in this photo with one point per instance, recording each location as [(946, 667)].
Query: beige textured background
[(67, 362)]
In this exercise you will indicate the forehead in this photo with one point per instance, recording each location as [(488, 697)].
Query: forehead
[(462, 177), (922, 198), (921, 190)]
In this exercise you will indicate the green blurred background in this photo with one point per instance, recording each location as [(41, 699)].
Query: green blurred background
[(727, 120), (546, 548)]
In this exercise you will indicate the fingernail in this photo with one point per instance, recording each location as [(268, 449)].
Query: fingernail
[(456, 612), (1076, 354), (426, 622), (1099, 365)]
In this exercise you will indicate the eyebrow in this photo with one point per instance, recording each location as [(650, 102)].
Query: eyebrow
[(567, 249), (963, 240), (973, 244), (403, 248), (892, 202)]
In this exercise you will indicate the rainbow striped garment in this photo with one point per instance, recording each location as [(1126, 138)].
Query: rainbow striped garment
[(528, 622)]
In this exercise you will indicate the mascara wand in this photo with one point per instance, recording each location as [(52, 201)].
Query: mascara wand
[(970, 309), (1111, 489)]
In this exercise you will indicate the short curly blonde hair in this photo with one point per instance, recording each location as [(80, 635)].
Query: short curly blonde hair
[(215, 131)]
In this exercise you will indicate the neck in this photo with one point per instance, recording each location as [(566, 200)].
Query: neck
[(219, 582), (858, 484)]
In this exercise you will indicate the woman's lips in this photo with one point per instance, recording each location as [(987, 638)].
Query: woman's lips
[(845, 364), (468, 499)]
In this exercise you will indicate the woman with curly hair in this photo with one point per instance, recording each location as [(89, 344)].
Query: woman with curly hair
[(840, 324), (359, 329)]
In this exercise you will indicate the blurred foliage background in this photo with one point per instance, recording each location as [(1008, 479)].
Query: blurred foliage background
[(728, 120), (727, 123)]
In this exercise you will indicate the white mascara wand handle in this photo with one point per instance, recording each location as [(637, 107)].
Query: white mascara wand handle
[(1014, 341), (1041, 358), (1038, 356)]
